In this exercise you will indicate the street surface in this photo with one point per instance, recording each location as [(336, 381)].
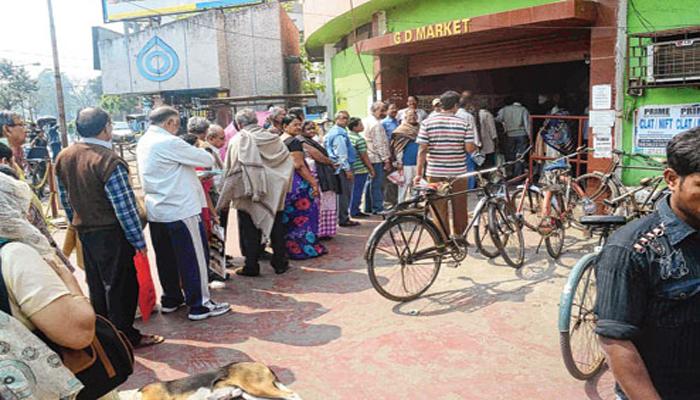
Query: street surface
[(483, 331)]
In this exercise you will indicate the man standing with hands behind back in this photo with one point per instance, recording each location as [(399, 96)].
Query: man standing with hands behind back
[(93, 183), (174, 202), (444, 141)]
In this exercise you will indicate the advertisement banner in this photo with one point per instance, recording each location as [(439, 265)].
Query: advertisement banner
[(654, 126), (123, 10)]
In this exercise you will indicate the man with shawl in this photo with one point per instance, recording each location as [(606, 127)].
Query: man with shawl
[(257, 175), (405, 150)]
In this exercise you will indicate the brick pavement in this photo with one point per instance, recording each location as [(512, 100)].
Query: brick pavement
[(483, 331)]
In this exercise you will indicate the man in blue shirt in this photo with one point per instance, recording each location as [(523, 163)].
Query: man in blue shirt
[(391, 122), (341, 152)]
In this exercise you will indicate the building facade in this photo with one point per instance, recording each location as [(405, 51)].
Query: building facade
[(247, 52), (662, 76), (574, 51)]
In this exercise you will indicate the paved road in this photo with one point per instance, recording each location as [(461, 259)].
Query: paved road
[(483, 331)]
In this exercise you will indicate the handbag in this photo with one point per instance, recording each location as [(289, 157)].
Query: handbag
[(102, 366)]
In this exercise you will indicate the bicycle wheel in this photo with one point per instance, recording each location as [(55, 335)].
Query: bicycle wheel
[(597, 190), (532, 206), (403, 257), (575, 209), (582, 354), (507, 232), (482, 235), (553, 228)]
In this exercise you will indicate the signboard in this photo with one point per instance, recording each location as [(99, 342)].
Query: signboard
[(656, 125), (122, 10), (602, 97), (433, 31)]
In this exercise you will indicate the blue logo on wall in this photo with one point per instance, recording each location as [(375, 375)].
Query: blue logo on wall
[(157, 61)]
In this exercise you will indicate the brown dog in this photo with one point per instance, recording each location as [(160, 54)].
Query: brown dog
[(252, 378)]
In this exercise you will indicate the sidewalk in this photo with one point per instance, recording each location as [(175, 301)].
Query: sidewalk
[(483, 331)]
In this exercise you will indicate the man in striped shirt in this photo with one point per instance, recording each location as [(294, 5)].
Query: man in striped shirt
[(444, 141)]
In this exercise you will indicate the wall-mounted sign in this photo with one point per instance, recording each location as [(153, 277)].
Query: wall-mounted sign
[(433, 31), (123, 10), (656, 125), (157, 61)]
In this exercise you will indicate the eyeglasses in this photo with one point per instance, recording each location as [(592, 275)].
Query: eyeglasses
[(22, 124)]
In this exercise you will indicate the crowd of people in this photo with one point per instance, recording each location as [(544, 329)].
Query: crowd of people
[(291, 187)]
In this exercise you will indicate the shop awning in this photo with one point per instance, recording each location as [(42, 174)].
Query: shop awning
[(503, 26)]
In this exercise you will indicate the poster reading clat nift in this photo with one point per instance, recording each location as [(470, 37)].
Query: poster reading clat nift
[(656, 125)]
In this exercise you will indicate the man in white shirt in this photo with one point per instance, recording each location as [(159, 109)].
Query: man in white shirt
[(379, 155), (412, 103), (174, 202)]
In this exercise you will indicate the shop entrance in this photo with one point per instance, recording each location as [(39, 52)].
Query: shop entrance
[(537, 87)]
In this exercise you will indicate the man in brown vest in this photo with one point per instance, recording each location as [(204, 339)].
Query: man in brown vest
[(94, 188)]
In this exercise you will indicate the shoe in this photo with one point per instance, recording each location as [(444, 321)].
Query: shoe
[(148, 340), (243, 272), (168, 310), (214, 285), (265, 255), (281, 270), (325, 238), (379, 213), (349, 224), (361, 215), (210, 309)]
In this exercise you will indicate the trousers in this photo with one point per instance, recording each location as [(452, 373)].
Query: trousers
[(344, 196), (251, 248), (111, 277), (182, 259)]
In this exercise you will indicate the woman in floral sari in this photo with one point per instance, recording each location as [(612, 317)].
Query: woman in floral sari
[(324, 171), (301, 212)]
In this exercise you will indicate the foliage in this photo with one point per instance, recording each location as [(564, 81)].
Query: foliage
[(313, 73), (16, 87), (119, 105)]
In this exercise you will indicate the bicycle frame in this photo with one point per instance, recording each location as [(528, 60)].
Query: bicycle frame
[(443, 226)]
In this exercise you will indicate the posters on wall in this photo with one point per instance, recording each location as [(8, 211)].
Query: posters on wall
[(601, 98), (655, 125), (602, 142)]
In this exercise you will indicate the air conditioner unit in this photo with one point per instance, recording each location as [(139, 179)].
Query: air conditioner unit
[(674, 61)]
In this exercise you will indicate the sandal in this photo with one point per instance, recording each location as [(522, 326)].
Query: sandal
[(149, 340)]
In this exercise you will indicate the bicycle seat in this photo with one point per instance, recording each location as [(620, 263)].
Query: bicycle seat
[(603, 220), (559, 165)]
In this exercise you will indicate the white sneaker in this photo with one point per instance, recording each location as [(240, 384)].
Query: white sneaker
[(214, 285), (209, 309)]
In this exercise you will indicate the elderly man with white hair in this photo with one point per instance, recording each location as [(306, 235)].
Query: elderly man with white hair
[(174, 202), (198, 126), (258, 172)]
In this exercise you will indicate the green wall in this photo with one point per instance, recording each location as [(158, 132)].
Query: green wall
[(661, 15), (351, 91), (423, 12)]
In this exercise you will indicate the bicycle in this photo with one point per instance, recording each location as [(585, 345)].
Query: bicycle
[(413, 246), (581, 352), (611, 196), (547, 210)]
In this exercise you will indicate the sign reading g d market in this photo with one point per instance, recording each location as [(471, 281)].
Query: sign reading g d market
[(433, 31), (656, 125)]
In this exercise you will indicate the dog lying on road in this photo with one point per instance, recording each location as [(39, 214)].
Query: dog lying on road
[(247, 380)]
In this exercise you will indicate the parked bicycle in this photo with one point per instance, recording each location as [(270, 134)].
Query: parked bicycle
[(405, 252), (582, 354), (558, 203), (611, 196)]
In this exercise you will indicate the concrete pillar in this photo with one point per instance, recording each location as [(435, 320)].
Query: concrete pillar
[(328, 100)]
